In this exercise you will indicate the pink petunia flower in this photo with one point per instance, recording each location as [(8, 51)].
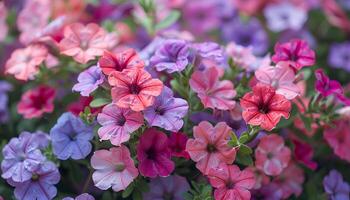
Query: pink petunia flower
[(177, 144), (134, 88), (34, 103), (296, 52), (114, 168), (264, 107), (303, 153), (281, 77), (209, 147), (83, 43), (117, 123), (231, 183), (325, 85), (271, 155), (213, 92), (290, 181), (24, 63), (338, 137), (154, 155)]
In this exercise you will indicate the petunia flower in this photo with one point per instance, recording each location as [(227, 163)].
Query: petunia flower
[(296, 52), (209, 50), (114, 168), (134, 88), (339, 56), (167, 112), (263, 107), (291, 181), (84, 196), (177, 144), (88, 81), (281, 77), (271, 155), (210, 146), (34, 103), (335, 187), (71, 137), (154, 155), (126, 59), (83, 43), (325, 85), (118, 123), (338, 137), (24, 63), (231, 183), (303, 153), (212, 92)]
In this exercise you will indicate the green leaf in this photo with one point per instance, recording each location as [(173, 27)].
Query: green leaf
[(244, 159), (127, 192), (99, 102), (168, 20), (137, 195), (245, 150), (244, 138)]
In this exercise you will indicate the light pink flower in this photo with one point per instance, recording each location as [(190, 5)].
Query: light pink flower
[(213, 92), (338, 137), (3, 25), (231, 183), (281, 77), (290, 181), (271, 155), (209, 147), (117, 123), (83, 43), (114, 168)]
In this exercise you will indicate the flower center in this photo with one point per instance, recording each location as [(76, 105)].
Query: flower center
[(73, 136), (264, 109), (134, 89), (230, 185), (121, 120), (35, 177), (151, 154), (211, 148), (120, 167), (168, 196), (160, 111), (269, 155), (84, 45)]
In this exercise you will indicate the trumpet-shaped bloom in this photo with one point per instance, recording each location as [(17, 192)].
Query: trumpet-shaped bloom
[(209, 147), (213, 93), (114, 168), (264, 107), (335, 186), (118, 123), (88, 81)]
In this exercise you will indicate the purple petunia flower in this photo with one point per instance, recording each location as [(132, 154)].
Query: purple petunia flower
[(89, 80), (339, 56), (171, 187), (172, 56), (4, 88), (71, 137), (40, 185), (22, 156), (210, 50), (335, 187), (167, 112), (84, 196)]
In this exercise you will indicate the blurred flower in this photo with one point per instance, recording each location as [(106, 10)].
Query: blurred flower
[(114, 168), (71, 137), (5, 87), (345, 4), (3, 25), (285, 15), (172, 56), (259, 176), (210, 146), (134, 89), (213, 93), (270, 191), (79, 106), (281, 77), (339, 56), (263, 107), (291, 181), (83, 43), (335, 187), (209, 50), (303, 153), (24, 63), (336, 15), (303, 34), (326, 86), (84, 196), (118, 123), (338, 137), (89, 80), (250, 7), (35, 102), (154, 155), (126, 59), (167, 112), (171, 187), (230, 182), (177, 144), (297, 52)]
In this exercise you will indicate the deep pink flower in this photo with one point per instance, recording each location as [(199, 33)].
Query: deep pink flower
[(209, 147), (271, 155), (177, 144), (154, 155), (231, 183), (296, 52), (34, 103), (213, 93), (114, 168), (79, 106), (338, 137), (303, 153), (326, 86), (290, 181)]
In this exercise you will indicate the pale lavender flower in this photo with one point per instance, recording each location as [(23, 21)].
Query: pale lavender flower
[(89, 80), (209, 50), (335, 187), (339, 56), (84, 196)]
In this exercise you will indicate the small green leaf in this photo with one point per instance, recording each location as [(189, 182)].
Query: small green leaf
[(136, 195), (168, 20), (244, 138), (244, 149), (244, 159), (127, 192), (99, 102)]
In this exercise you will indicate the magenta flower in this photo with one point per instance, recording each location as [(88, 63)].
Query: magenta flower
[(326, 86), (117, 123), (114, 168), (154, 155), (88, 81), (177, 144)]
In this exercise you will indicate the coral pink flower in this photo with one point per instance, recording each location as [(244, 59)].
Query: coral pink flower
[(114, 168), (303, 153), (209, 147), (264, 107), (83, 43), (290, 181), (154, 155), (126, 59), (134, 88), (34, 103), (24, 63), (339, 139), (117, 123), (177, 144), (231, 183), (281, 77), (271, 155), (213, 92), (296, 52)]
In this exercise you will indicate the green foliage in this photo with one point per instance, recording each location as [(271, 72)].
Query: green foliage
[(200, 191)]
